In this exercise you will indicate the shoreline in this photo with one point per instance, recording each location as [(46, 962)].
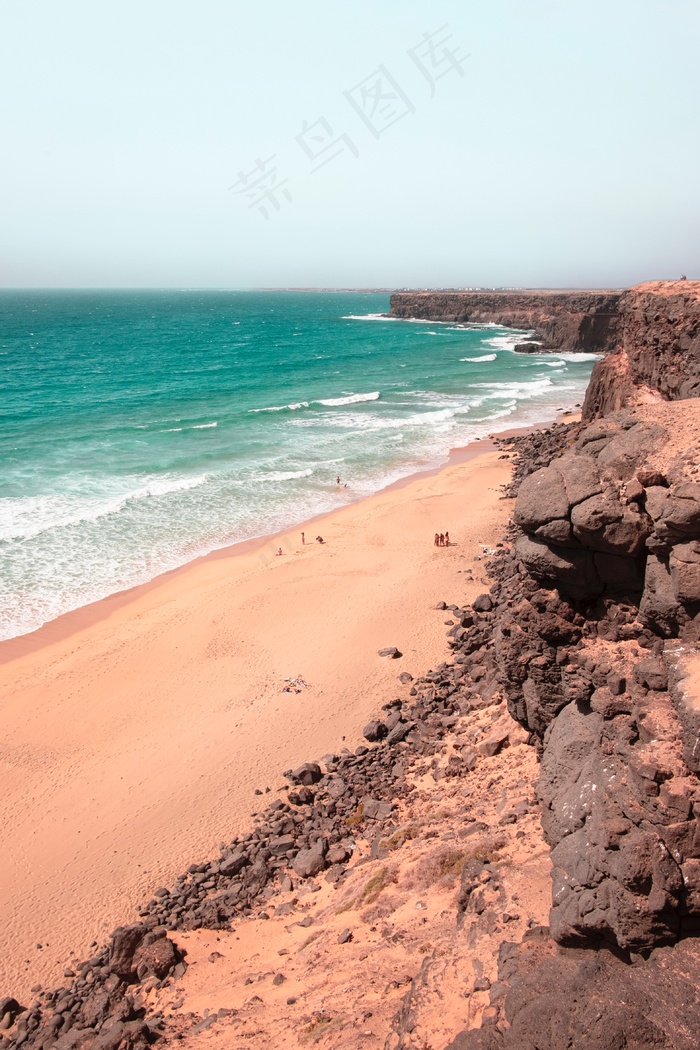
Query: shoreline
[(138, 740), (72, 622)]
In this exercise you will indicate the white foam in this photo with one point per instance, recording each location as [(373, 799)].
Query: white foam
[(205, 426), (29, 516), (571, 356), (350, 399), (281, 475), (368, 317), (484, 357), (515, 390)]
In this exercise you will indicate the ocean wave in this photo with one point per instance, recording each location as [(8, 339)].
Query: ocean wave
[(350, 399), (280, 475), (205, 426), (484, 357), (515, 390), (571, 356), (554, 364), (505, 342), (328, 402), (26, 517), (368, 317)]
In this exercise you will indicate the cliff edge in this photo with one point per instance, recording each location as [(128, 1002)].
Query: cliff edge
[(574, 321), (658, 350)]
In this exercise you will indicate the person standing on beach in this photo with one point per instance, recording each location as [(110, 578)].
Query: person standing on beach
[(337, 480), (442, 539), (303, 541), (447, 539), (437, 539)]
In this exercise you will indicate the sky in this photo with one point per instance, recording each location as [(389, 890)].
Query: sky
[(378, 143)]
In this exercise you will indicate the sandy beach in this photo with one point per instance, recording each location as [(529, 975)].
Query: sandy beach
[(136, 731)]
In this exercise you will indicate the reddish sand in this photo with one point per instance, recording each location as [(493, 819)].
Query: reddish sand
[(133, 744)]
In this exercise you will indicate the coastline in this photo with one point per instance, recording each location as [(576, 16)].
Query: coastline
[(76, 620), (141, 734)]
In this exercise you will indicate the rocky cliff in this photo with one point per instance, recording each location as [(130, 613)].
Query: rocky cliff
[(576, 321), (657, 352)]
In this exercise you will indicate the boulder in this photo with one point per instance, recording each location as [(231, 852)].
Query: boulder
[(659, 607), (233, 863), (628, 449), (307, 774), (542, 497), (684, 566), (308, 862), (557, 533), (573, 568), (675, 512), (374, 731), (651, 673), (604, 524), (124, 942), (156, 959), (581, 477)]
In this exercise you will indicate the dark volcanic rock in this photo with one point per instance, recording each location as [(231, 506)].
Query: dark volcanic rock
[(374, 731), (307, 774), (561, 320), (658, 348), (559, 999)]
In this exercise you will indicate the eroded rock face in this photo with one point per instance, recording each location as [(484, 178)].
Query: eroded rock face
[(601, 520), (658, 349), (550, 998), (561, 320), (603, 575)]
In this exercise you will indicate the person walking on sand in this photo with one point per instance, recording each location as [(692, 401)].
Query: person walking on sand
[(437, 539), (442, 539), (447, 539), (303, 541)]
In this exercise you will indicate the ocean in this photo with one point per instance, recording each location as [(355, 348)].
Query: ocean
[(141, 429)]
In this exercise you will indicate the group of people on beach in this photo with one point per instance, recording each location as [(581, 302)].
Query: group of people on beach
[(442, 539)]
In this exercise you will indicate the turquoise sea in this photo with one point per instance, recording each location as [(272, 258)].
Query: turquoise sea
[(141, 429)]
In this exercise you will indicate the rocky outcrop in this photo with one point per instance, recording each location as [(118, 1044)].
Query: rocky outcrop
[(549, 998), (658, 350), (576, 321), (103, 1007), (606, 564)]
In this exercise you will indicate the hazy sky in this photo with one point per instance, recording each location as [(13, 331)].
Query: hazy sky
[(530, 142)]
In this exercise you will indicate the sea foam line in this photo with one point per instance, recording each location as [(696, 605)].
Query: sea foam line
[(328, 402)]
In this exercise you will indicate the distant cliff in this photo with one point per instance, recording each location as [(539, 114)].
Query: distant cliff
[(576, 321), (658, 349)]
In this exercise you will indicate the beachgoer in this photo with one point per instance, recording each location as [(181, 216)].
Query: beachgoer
[(437, 539), (447, 539), (279, 551), (302, 538), (442, 539), (319, 539), (337, 480)]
